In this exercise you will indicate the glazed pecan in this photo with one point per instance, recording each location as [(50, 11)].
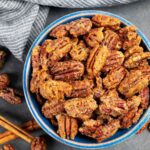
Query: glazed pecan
[(10, 95), (81, 88), (133, 50), (2, 58), (52, 108), (94, 129), (8, 147), (133, 83), (59, 31), (55, 90), (135, 59), (4, 81), (114, 59), (112, 104), (94, 37), (79, 51), (129, 37), (79, 27), (114, 77), (81, 108), (144, 93), (112, 40), (68, 70), (67, 126), (53, 50), (106, 21), (38, 143), (96, 60)]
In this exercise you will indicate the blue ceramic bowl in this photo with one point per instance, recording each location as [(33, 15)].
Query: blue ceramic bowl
[(80, 141)]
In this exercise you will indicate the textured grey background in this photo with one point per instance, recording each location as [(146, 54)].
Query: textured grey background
[(139, 14)]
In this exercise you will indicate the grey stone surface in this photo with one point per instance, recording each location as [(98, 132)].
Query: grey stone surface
[(139, 14)]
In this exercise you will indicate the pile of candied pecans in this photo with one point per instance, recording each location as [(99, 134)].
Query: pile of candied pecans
[(91, 76)]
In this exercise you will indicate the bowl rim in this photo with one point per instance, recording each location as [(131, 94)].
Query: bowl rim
[(30, 105)]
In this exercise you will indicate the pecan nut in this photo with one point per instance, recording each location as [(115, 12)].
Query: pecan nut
[(67, 71), (114, 59), (79, 27), (67, 126), (96, 60), (94, 37), (52, 108), (10, 95), (38, 143), (106, 21), (4, 81), (8, 147), (112, 40)]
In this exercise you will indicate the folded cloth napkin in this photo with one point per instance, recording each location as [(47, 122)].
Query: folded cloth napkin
[(22, 20)]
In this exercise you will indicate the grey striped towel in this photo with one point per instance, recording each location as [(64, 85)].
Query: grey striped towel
[(22, 20)]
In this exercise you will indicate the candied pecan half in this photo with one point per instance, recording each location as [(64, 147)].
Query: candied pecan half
[(112, 40), (114, 59), (81, 108), (35, 57), (94, 37), (10, 95), (67, 71), (55, 90), (67, 126), (81, 88), (59, 31), (129, 37), (79, 27), (2, 58), (4, 81), (135, 59), (133, 83), (133, 50), (144, 93), (106, 22), (40, 99), (8, 147), (94, 129), (52, 108), (98, 89), (114, 77), (112, 104), (96, 60), (79, 51), (38, 143), (53, 50)]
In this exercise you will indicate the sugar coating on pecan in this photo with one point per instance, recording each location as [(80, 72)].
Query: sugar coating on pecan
[(79, 27), (67, 126), (55, 90), (94, 37), (106, 22), (67, 70), (129, 37), (79, 51), (144, 93), (114, 77), (12, 96), (133, 83), (114, 59), (112, 40), (59, 31), (4, 81), (96, 60), (52, 108), (81, 108), (94, 129), (38, 143)]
